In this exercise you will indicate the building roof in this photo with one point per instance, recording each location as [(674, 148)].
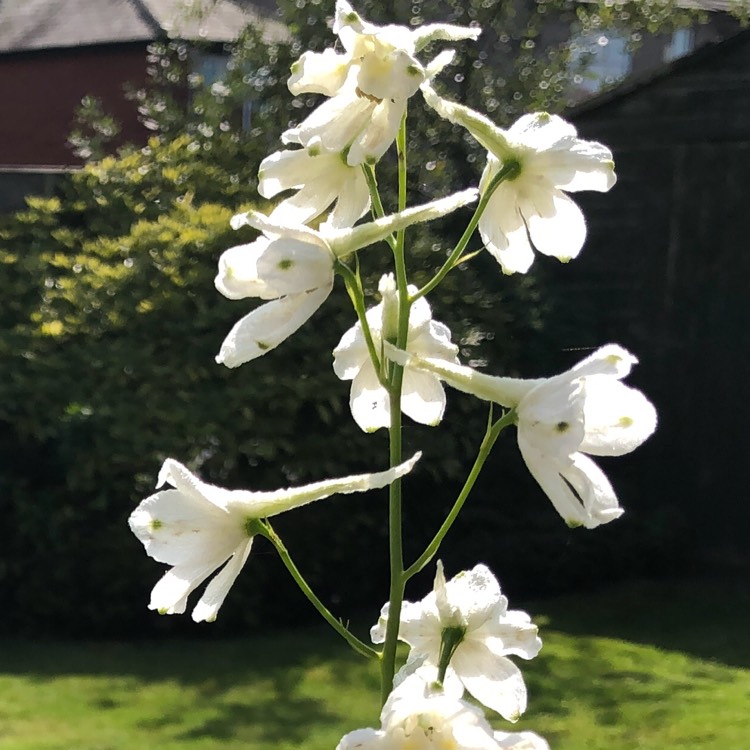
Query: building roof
[(634, 84), (44, 24)]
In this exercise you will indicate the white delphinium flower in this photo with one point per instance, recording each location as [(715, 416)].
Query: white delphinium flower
[(546, 160), (585, 410), (418, 717), (464, 628), (422, 394), (293, 267), (321, 179), (197, 528), (369, 83)]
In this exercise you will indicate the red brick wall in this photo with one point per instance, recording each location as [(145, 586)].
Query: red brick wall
[(39, 92)]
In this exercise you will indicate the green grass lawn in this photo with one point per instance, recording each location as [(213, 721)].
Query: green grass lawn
[(640, 667)]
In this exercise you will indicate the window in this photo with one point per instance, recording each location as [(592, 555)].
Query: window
[(598, 60), (680, 44)]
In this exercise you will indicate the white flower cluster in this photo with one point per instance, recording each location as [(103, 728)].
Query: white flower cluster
[(462, 634)]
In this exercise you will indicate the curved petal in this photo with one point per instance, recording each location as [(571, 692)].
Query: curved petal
[(169, 596), (176, 528), (512, 634), (237, 277), (431, 32), (577, 165), (267, 504), (352, 202), (610, 359), (373, 140), (290, 266), (267, 326), (580, 492), (492, 679), (283, 170), (520, 741), (213, 597), (310, 201), (503, 230), (337, 121), (351, 353), (503, 391), (369, 401), (422, 397), (551, 417), (555, 223), (617, 418), (475, 594), (319, 73), (541, 131), (363, 739)]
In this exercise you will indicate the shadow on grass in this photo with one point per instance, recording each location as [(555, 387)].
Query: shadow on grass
[(705, 618)]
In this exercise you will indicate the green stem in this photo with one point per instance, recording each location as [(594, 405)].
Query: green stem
[(490, 436), (395, 532), (378, 211), (509, 171), (264, 528), (356, 295)]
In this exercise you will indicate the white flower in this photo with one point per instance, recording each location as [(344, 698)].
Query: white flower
[(369, 83), (531, 206), (422, 395), (197, 528), (468, 622), (415, 717), (320, 178), (585, 410), (293, 266)]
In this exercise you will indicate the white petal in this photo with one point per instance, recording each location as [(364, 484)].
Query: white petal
[(308, 203), (238, 272), (579, 491), (363, 739), (345, 241), (289, 266), (617, 418), (551, 417), (610, 359), (422, 397), (432, 32), (276, 228), (575, 165), (485, 131), (503, 229), (504, 391), (169, 596), (555, 223), (475, 594), (350, 354), (369, 401), (470, 736), (421, 628), (284, 170), (337, 121), (520, 741), (176, 528), (267, 326), (217, 590), (493, 680), (541, 131), (373, 140), (278, 501), (353, 202), (319, 73), (512, 634)]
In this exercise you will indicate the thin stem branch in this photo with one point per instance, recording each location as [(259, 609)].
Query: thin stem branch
[(360, 647), (378, 211), (509, 171), (490, 436)]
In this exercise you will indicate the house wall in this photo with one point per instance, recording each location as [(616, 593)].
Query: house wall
[(41, 90), (665, 272)]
